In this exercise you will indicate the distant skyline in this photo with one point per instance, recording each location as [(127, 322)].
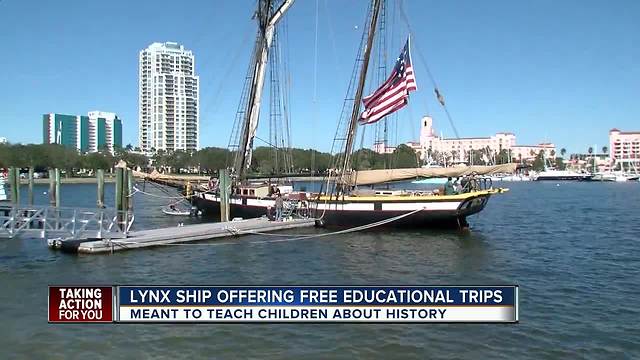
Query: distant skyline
[(564, 72)]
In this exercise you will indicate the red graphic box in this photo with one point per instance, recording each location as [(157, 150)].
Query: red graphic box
[(80, 304)]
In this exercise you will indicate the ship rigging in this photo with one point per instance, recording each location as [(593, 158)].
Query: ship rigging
[(341, 202)]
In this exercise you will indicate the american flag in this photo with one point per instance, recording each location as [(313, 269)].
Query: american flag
[(394, 93)]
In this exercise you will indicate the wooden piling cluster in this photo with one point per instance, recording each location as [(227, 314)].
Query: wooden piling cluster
[(124, 187)]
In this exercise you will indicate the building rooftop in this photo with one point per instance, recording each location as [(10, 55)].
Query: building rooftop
[(468, 138), (103, 114), (538, 145), (170, 47)]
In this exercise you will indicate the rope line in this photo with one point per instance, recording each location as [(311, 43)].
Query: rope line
[(345, 231), (159, 196)]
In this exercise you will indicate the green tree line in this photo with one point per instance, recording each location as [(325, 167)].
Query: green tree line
[(47, 156), (264, 161)]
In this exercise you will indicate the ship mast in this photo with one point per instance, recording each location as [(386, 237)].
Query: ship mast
[(355, 113), (266, 22)]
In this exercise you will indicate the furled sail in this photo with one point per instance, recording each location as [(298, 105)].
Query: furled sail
[(368, 177)]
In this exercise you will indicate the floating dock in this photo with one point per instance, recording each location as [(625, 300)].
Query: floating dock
[(178, 235)]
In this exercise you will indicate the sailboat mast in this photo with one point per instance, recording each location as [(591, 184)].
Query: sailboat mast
[(267, 23), (355, 114)]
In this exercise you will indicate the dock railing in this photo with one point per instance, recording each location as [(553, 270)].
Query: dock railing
[(47, 222)]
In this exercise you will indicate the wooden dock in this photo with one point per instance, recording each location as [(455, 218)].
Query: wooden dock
[(180, 234)]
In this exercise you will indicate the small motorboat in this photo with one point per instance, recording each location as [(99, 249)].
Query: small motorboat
[(176, 212), (172, 209)]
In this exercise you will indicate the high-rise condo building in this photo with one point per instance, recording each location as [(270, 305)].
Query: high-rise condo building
[(168, 92), (96, 132)]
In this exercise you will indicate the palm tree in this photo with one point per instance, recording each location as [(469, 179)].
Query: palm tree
[(590, 150), (605, 149), (563, 151)]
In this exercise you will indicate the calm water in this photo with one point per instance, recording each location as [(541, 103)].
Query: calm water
[(574, 249)]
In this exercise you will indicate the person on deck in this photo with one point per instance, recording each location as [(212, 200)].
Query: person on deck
[(448, 187), (279, 205), (464, 184), (213, 184)]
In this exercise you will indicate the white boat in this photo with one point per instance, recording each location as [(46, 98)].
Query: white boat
[(514, 177), (617, 176), (622, 177), (176, 212), (555, 175), (603, 176)]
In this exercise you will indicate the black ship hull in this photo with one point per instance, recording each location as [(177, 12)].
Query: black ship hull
[(433, 213)]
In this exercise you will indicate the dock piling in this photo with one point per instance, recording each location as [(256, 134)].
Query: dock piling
[(57, 192), (119, 195), (52, 187), (100, 180), (30, 186), (128, 199), (225, 192), (14, 181)]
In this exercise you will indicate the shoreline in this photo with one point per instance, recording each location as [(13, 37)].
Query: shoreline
[(63, 180), (93, 180)]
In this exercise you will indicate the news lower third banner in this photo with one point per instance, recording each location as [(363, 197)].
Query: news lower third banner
[(274, 304)]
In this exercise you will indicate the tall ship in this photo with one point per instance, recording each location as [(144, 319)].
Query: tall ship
[(349, 197)]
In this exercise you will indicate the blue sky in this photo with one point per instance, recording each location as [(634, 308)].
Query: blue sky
[(561, 71)]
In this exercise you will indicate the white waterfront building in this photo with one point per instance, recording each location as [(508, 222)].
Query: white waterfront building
[(458, 149), (168, 96)]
